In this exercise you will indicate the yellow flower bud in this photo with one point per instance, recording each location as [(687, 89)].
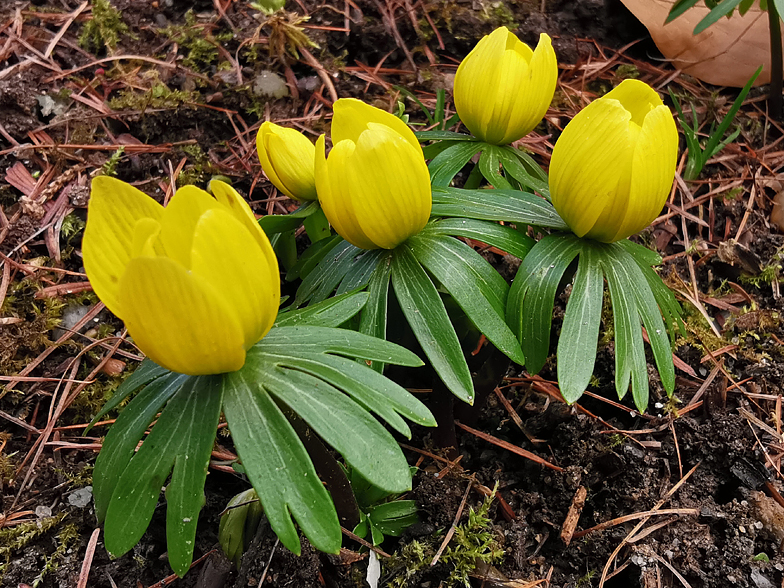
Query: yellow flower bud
[(196, 283), (375, 187), (286, 157), (503, 89), (613, 165)]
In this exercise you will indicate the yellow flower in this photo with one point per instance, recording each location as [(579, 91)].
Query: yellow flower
[(503, 89), (286, 157), (375, 187), (613, 165), (196, 282)]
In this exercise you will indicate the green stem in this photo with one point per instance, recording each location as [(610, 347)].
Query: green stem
[(777, 67)]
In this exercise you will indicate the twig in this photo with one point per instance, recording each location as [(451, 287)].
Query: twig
[(88, 556), (451, 531)]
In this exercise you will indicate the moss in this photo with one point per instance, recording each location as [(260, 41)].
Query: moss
[(65, 539), (158, 96), (200, 46), (104, 29), (473, 542), (499, 15), (627, 71), (768, 275), (109, 168), (14, 539)]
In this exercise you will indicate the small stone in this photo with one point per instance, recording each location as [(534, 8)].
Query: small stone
[(81, 498), (270, 84), (43, 512)]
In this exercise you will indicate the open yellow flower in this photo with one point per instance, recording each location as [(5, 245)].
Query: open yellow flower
[(375, 187), (503, 89), (286, 156), (613, 165), (196, 283)]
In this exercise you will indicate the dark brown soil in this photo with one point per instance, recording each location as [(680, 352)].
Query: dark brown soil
[(722, 526)]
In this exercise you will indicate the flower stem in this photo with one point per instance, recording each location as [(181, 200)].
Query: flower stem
[(777, 67)]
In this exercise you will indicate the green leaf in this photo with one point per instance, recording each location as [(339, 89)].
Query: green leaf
[(432, 150), (524, 169), (312, 256), (147, 371), (679, 8), (504, 238), (443, 136), (280, 223), (124, 435), (285, 247), (358, 275), (490, 167), (424, 310), (321, 282), (278, 466), (580, 331), (723, 8), (648, 308), (373, 321), (370, 389), (779, 6), (183, 438), (445, 166), (332, 312), (629, 350), (531, 300), (477, 288), (301, 367), (496, 205), (339, 342), (345, 425), (317, 225), (392, 518)]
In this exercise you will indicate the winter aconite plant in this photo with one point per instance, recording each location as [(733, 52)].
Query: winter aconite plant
[(375, 190), (197, 285)]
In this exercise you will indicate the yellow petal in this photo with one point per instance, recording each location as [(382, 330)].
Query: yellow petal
[(262, 148), (351, 118), (286, 157), (585, 169), (637, 97), (334, 191), (534, 92), (179, 221), (653, 169), (477, 81), (113, 211), (508, 96), (390, 187), (227, 256), (178, 320), (145, 234), (230, 198)]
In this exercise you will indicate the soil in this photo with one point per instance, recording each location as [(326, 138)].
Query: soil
[(709, 459)]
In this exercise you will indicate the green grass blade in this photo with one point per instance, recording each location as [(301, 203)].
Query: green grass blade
[(679, 8), (425, 313), (580, 332), (476, 287), (278, 465), (716, 137), (431, 121), (445, 166), (503, 237), (723, 8)]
